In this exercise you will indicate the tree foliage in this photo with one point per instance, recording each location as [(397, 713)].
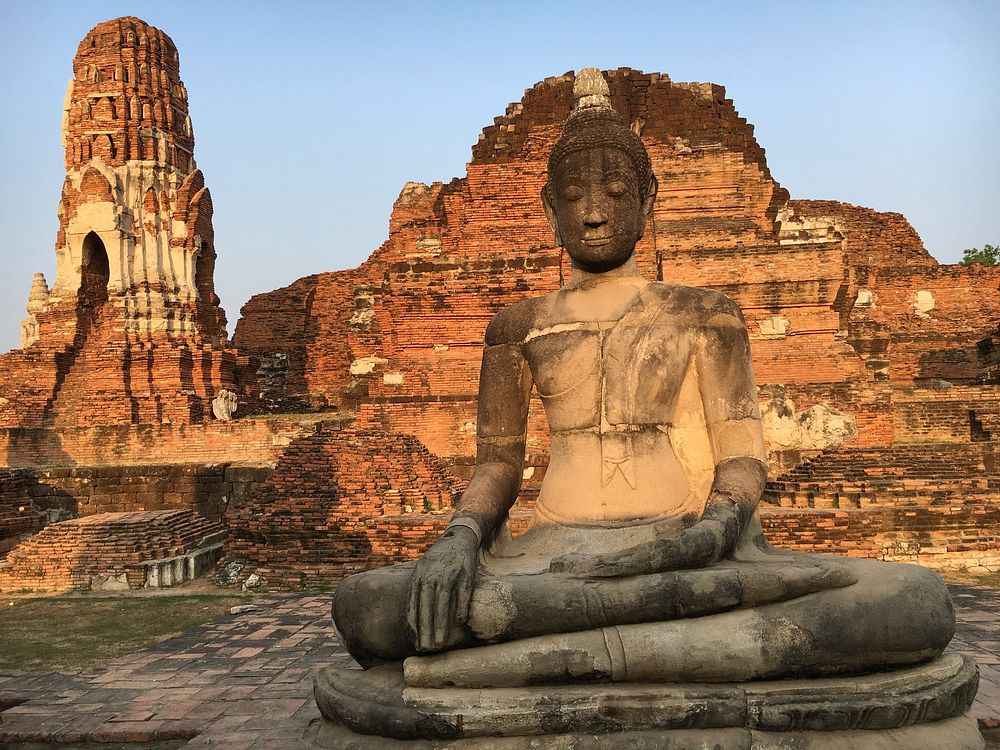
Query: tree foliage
[(988, 256)]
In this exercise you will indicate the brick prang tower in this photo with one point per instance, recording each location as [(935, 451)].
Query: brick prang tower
[(132, 328)]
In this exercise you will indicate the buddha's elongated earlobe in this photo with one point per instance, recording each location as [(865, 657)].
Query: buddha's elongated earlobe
[(648, 201), (550, 213)]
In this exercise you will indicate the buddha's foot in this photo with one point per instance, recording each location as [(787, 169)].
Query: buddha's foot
[(919, 708)]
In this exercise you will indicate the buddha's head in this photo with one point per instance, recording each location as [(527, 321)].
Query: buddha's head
[(600, 188)]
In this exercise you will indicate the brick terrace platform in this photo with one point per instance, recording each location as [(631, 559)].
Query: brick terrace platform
[(244, 682)]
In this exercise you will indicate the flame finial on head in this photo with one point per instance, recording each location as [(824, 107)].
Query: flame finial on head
[(590, 90)]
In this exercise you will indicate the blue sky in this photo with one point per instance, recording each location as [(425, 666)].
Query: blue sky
[(310, 116)]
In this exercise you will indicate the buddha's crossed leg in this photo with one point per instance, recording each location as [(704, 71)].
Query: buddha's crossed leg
[(867, 611)]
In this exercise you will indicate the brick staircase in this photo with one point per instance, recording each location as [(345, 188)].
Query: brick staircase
[(114, 551), (84, 369), (932, 503), (108, 377), (896, 475)]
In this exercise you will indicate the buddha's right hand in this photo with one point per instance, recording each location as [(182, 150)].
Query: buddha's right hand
[(441, 589)]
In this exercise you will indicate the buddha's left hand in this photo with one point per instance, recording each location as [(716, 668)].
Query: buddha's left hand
[(699, 545)]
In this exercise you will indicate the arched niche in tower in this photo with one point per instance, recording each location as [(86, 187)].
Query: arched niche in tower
[(95, 273)]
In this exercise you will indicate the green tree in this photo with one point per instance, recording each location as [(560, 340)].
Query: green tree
[(988, 256)]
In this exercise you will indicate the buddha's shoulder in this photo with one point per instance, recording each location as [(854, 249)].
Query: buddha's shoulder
[(512, 324), (700, 306)]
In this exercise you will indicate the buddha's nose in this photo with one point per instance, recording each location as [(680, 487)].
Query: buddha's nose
[(595, 218)]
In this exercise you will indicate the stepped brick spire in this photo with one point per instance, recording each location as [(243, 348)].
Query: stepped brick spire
[(131, 331), (132, 188)]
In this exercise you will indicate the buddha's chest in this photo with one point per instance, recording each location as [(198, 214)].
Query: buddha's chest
[(612, 375)]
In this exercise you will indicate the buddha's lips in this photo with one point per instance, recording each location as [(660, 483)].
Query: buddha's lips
[(597, 240)]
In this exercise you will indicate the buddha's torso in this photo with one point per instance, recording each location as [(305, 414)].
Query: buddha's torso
[(608, 364)]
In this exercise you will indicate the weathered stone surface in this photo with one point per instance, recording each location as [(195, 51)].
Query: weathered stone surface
[(933, 692), (38, 298), (959, 733)]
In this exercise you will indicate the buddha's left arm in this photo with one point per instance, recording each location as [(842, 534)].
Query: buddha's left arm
[(732, 413)]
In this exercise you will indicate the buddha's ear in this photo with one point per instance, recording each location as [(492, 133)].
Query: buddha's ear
[(650, 197), (648, 201), (550, 213)]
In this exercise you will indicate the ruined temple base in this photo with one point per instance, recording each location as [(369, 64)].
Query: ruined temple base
[(920, 708)]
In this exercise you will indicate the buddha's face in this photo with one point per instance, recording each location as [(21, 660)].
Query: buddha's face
[(597, 208)]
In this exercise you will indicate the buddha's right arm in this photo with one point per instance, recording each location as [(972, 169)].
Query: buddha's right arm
[(444, 577), (501, 425)]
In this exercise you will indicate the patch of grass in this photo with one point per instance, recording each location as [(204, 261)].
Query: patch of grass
[(961, 575), (64, 633)]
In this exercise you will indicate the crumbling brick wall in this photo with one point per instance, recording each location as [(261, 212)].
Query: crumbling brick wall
[(337, 503)]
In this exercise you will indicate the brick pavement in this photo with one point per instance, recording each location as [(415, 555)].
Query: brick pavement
[(244, 682)]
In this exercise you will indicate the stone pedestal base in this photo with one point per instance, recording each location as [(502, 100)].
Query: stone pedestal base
[(921, 708)]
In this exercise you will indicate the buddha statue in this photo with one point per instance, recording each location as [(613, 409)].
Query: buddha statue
[(643, 603)]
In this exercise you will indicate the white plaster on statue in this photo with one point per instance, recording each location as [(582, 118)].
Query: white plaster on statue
[(29, 331), (865, 298), (224, 405), (392, 378)]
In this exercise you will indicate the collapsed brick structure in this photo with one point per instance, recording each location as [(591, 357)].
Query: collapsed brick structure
[(114, 551), (851, 319), (339, 502), (106, 405), (131, 331)]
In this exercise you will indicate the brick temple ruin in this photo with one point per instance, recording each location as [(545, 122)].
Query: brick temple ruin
[(877, 365)]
